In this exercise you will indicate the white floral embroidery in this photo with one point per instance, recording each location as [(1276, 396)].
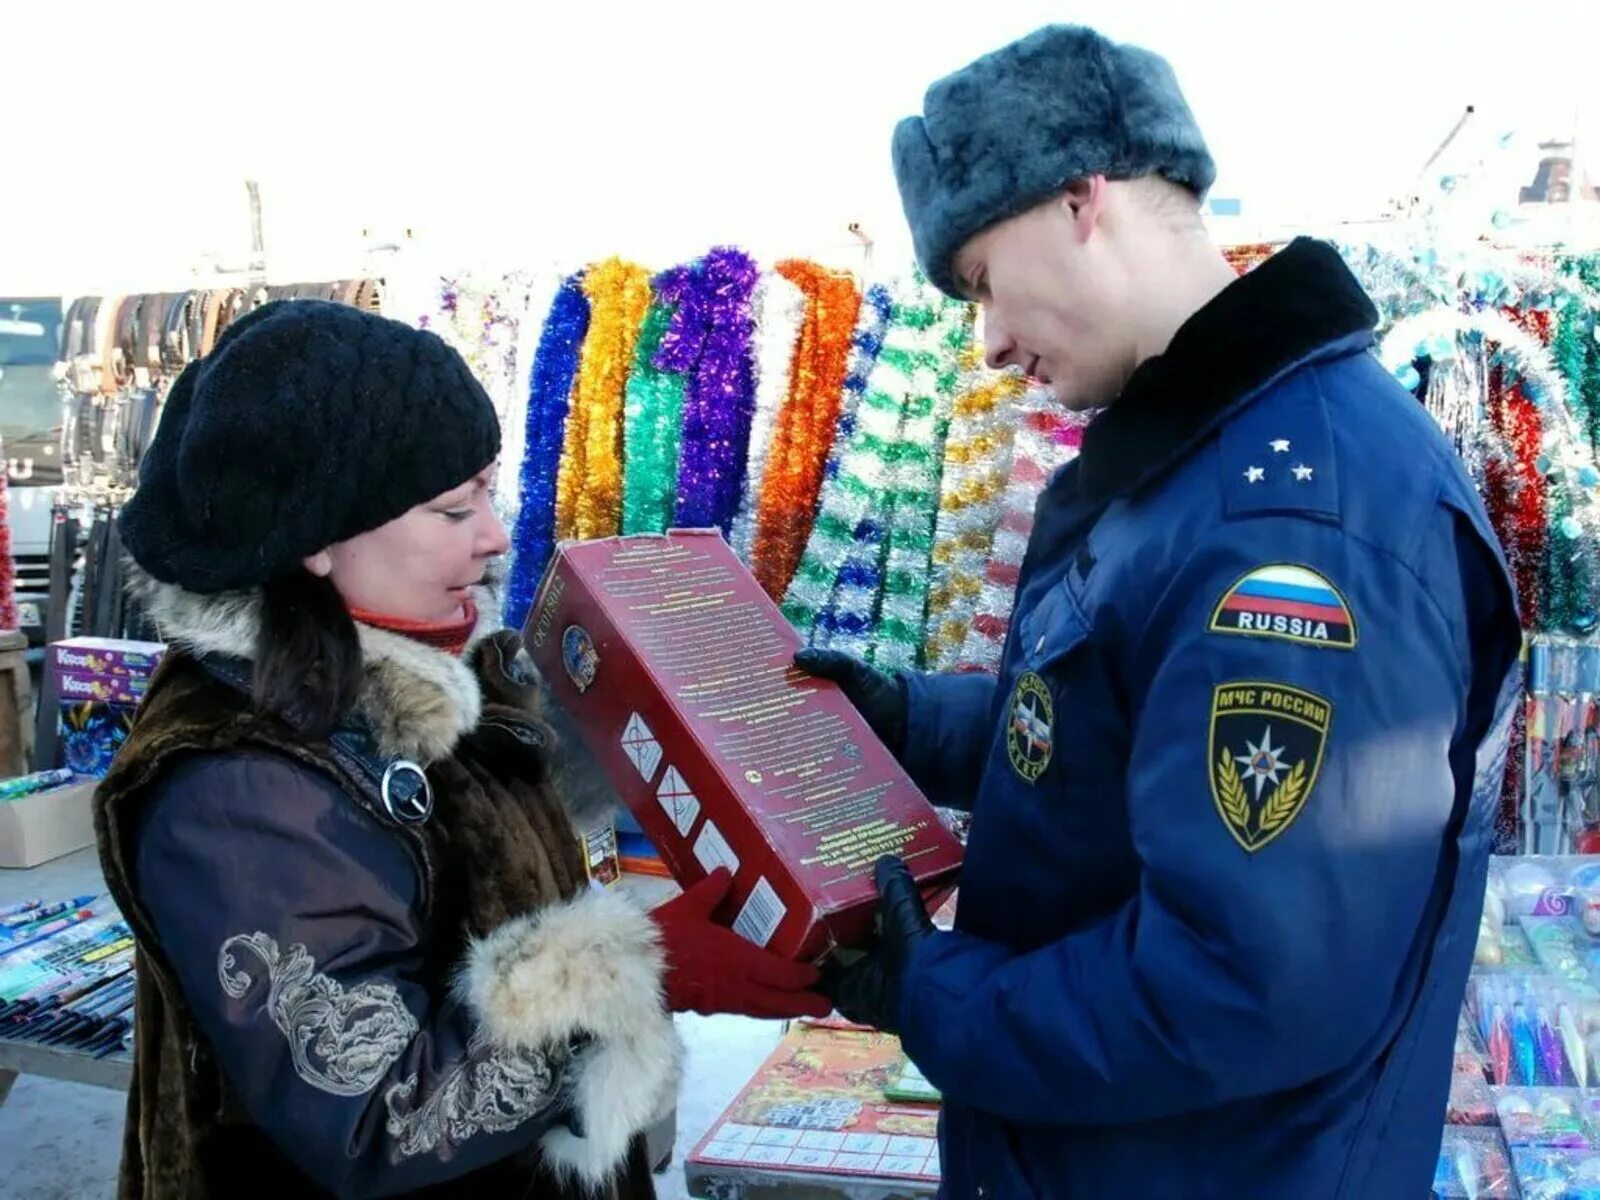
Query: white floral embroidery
[(493, 1090), (343, 1040)]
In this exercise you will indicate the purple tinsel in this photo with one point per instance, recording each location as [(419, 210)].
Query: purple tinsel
[(722, 389), (686, 332), (555, 365)]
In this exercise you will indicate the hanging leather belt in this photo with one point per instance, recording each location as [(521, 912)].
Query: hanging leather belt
[(210, 311), (124, 352), (79, 351), (197, 322), (152, 327), (105, 346), (175, 339)]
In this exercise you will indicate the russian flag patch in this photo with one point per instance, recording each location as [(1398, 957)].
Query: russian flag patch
[(1288, 602)]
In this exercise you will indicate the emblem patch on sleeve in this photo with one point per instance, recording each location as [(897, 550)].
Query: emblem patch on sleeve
[(1288, 602), (1265, 752), (1030, 727)]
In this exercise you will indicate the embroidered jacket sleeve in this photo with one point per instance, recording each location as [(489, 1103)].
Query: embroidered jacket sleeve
[(947, 734), (291, 920), (1289, 805)]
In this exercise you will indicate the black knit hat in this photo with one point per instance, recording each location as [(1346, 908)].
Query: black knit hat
[(308, 424)]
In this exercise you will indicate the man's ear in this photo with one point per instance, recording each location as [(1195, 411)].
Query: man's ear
[(1085, 200)]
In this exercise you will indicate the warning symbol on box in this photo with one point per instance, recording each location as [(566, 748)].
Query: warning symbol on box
[(680, 803), (641, 747)]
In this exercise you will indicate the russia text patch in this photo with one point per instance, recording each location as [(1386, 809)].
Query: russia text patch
[(1288, 602)]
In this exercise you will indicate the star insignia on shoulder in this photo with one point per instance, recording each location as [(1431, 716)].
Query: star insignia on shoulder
[(1255, 474), (1302, 472), (1280, 446)]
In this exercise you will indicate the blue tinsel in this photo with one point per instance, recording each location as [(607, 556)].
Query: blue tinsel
[(555, 365), (866, 343)]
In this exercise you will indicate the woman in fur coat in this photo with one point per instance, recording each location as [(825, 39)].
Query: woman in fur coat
[(369, 962)]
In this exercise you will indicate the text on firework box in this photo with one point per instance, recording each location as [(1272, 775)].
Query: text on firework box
[(107, 657), (677, 670)]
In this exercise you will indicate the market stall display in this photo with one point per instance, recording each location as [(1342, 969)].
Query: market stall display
[(817, 1120), (66, 997), (879, 482)]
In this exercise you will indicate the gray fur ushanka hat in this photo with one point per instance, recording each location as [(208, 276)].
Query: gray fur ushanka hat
[(1015, 127)]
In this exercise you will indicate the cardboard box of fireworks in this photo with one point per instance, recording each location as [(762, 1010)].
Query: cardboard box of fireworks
[(677, 669), (97, 684), (45, 816)]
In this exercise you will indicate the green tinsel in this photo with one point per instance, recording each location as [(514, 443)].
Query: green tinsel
[(1575, 350), (1569, 586), (653, 419)]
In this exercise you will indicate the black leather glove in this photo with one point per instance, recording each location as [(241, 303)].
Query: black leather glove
[(868, 991), (878, 697)]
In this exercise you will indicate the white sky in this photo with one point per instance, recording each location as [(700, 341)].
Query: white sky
[(527, 135)]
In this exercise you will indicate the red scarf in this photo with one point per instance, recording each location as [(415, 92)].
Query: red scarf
[(450, 636)]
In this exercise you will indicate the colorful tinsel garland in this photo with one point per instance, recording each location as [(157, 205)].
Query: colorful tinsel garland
[(721, 396), (589, 489), (806, 423), (903, 610), (514, 423), (780, 312), (680, 419), (1047, 438), (976, 469), (555, 366), (653, 417), (861, 585)]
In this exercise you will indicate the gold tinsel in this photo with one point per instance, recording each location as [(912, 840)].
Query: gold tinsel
[(589, 487)]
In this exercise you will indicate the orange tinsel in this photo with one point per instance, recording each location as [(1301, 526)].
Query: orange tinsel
[(589, 483), (805, 426)]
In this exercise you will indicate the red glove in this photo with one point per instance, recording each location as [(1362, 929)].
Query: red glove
[(711, 969)]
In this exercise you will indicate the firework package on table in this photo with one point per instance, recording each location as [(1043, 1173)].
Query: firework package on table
[(67, 977), (98, 683)]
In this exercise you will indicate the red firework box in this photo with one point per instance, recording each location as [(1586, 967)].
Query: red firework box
[(677, 670)]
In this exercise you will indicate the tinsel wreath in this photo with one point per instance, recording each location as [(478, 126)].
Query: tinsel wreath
[(721, 398), (859, 587), (780, 311), (977, 465), (1497, 392), (555, 366), (653, 416), (1568, 595), (1047, 437), (8, 569), (589, 488), (807, 421)]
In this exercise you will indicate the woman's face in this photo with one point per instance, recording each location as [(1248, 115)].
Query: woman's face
[(420, 566)]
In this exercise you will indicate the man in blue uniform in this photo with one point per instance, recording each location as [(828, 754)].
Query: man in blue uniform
[(1232, 788)]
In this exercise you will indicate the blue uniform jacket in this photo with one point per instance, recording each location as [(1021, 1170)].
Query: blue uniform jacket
[(1233, 788)]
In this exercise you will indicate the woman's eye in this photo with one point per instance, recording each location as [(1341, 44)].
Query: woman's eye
[(457, 514)]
